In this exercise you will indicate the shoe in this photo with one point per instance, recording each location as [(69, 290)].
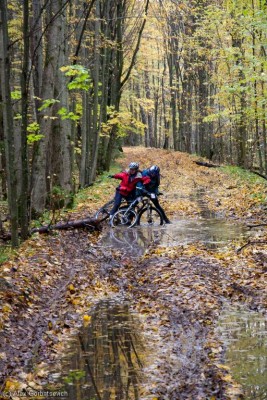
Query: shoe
[(167, 221)]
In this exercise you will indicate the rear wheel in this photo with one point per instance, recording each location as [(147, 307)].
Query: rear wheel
[(122, 217), (150, 216), (104, 211)]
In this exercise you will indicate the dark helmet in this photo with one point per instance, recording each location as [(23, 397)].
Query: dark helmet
[(134, 165), (154, 170)]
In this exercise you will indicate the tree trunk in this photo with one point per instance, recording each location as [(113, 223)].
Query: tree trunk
[(150, 128), (61, 135), (23, 202), (241, 124), (8, 123), (96, 135), (40, 173)]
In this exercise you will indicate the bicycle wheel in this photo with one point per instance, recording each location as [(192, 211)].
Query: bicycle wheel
[(149, 216), (123, 217), (104, 211)]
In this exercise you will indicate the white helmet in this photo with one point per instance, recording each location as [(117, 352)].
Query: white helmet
[(134, 165)]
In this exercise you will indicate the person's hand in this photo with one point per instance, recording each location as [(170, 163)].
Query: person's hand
[(145, 192)]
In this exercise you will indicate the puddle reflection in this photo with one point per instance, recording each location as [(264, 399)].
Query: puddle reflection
[(244, 333), (103, 361), (215, 233)]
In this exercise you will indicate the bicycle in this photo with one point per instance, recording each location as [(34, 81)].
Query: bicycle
[(145, 214), (104, 211)]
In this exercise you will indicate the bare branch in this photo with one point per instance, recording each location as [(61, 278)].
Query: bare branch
[(128, 73)]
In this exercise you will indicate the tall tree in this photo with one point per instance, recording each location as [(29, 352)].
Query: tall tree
[(23, 203), (8, 122)]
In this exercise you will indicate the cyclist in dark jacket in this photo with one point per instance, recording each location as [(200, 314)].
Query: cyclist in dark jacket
[(129, 180), (153, 187)]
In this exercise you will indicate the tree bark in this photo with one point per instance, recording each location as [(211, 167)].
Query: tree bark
[(8, 123), (23, 203), (61, 134), (40, 185), (96, 115)]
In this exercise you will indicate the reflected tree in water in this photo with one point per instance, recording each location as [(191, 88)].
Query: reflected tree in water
[(244, 332), (108, 353)]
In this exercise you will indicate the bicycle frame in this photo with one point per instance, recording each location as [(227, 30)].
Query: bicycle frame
[(133, 204), (136, 209)]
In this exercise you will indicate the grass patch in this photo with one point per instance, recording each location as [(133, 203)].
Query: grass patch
[(5, 253), (244, 175), (102, 187), (92, 196), (257, 185)]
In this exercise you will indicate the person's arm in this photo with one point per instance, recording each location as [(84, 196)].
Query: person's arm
[(139, 189), (120, 175), (146, 180)]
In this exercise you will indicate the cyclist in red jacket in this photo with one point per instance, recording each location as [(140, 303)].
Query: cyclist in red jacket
[(126, 189)]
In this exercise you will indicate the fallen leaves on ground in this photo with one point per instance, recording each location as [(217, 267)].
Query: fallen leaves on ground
[(48, 289)]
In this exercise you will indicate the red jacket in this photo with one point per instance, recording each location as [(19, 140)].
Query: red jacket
[(129, 182)]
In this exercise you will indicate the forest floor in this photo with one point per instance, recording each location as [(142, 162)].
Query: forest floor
[(166, 301)]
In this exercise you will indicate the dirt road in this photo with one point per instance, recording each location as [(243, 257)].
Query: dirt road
[(164, 288)]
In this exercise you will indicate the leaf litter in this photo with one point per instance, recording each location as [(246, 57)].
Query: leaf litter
[(49, 287)]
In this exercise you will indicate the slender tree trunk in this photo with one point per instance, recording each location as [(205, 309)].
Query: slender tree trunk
[(96, 135), (3, 183), (23, 203), (36, 48), (173, 103), (86, 141), (61, 146), (241, 125), (40, 173), (116, 79), (8, 124), (150, 130), (263, 122), (257, 134)]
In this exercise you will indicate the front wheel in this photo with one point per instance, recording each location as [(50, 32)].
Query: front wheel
[(123, 217), (150, 216)]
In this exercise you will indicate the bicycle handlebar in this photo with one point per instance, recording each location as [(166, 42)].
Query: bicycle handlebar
[(148, 194)]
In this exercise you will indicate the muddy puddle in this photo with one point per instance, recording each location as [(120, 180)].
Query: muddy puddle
[(214, 232), (244, 333), (105, 359)]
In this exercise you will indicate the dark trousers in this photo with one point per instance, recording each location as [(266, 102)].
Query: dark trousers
[(156, 204), (118, 199)]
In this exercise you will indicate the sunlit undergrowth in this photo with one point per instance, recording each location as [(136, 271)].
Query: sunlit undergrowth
[(5, 253), (102, 190), (244, 175)]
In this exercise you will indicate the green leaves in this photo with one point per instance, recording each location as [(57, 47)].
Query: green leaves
[(80, 77), (48, 103), (33, 135), (124, 122), (65, 114), (16, 95)]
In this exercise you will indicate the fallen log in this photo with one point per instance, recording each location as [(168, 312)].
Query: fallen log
[(87, 223), (250, 243), (258, 173), (256, 226), (90, 224), (205, 164)]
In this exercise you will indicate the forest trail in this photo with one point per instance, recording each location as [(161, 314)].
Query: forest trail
[(141, 304)]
